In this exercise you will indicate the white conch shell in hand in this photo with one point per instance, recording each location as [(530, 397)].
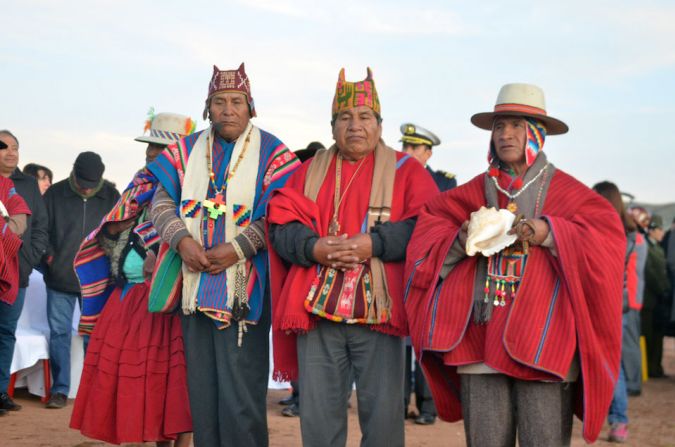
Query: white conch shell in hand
[(487, 231), (3, 211)]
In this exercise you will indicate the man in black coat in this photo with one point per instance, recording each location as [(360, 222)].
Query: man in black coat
[(31, 252), (418, 143), (75, 207)]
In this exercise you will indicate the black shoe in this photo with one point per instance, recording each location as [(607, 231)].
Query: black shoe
[(291, 411), (6, 403), (57, 400), (634, 393), (425, 419), (658, 375), (288, 400), (3, 412)]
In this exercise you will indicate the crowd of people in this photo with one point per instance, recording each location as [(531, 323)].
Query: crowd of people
[(512, 301)]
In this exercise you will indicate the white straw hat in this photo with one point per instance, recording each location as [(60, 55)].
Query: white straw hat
[(521, 100), (166, 128)]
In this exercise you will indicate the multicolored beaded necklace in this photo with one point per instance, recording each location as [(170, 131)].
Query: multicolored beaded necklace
[(215, 205), (505, 268)]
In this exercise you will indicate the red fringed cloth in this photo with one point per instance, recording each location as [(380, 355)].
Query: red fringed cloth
[(564, 305), (10, 243), (413, 186)]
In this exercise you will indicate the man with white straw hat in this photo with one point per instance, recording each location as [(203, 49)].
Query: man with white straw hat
[(165, 129), (518, 336)]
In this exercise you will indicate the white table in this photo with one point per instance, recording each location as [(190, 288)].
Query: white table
[(32, 335)]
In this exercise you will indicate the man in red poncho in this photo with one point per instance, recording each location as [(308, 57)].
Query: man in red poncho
[(339, 230), (13, 221), (516, 340)]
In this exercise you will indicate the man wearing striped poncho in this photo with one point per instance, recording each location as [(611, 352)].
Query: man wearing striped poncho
[(209, 208), (521, 328)]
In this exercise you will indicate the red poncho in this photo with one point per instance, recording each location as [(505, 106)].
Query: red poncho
[(10, 243), (564, 305), (413, 186)]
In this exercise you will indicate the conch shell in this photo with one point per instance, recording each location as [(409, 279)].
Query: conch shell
[(487, 231)]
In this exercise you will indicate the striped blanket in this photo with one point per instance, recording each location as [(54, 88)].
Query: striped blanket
[(92, 266)]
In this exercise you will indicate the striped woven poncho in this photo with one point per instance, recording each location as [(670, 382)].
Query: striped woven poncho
[(567, 304), (276, 163), (92, 266)]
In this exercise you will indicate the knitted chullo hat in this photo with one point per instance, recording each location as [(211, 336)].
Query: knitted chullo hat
[(354, 94), (230, 81)]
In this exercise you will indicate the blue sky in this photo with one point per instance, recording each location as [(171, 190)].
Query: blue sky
[(81, 75)]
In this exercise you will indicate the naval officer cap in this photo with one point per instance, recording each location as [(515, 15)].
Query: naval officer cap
[(414, 134)]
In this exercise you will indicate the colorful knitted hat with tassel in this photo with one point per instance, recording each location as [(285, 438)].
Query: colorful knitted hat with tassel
[(230, 81), (354, 94), (166, 128)]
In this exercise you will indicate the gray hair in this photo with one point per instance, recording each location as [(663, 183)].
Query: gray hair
[(7, 132)]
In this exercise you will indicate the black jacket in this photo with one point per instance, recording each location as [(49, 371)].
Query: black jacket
[(444, 180), (71, 219), (35, 238)]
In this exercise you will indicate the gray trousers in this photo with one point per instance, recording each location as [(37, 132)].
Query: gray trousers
[(327, 356), (631, 356), (227, 384), (496, 408)]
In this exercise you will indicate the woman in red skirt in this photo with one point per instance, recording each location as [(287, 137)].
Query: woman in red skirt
[(133, 386)]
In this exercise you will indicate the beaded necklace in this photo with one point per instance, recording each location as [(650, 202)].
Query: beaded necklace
[(216, 205), (505, 269), (230, 174), (512, 204), (334, 227)]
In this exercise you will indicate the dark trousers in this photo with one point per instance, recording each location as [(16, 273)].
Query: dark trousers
[(497, 408), (415, 380), (328, 357), (631, 355), (653, 328), (9, 316), (227, 383)]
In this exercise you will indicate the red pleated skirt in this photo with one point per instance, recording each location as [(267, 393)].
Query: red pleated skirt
[(134, 385)]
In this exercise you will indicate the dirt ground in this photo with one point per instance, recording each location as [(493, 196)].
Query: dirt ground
[(652, 421)]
